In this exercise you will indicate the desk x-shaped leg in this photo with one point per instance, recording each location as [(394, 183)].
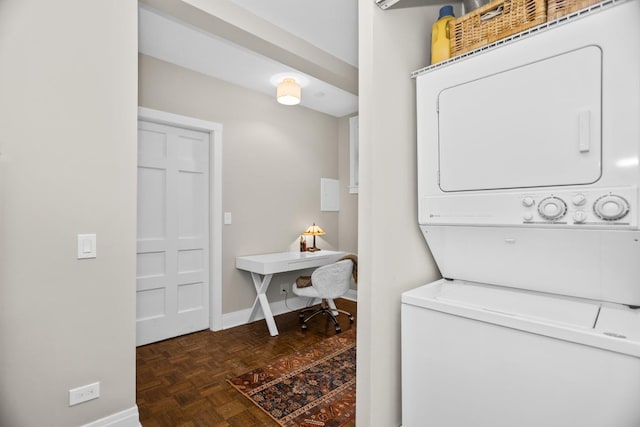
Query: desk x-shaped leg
[(262, 284)]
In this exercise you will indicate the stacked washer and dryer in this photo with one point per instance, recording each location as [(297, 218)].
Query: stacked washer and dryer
[(528, 178)]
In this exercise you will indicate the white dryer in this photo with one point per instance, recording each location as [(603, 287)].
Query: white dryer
[(528, 177)]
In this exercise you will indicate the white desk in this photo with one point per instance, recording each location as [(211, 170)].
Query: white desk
[(263, 267)]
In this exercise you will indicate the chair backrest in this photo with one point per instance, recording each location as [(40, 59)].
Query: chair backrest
[(333, 280)]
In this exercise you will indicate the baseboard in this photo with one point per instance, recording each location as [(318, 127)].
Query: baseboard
[(241, 317), (126, 418)]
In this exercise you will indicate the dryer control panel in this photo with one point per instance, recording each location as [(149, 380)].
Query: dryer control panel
[(590, 207), (585, 208)]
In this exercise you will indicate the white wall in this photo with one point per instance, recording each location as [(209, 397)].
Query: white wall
[(67, 166), (393, 256), (273, 159)]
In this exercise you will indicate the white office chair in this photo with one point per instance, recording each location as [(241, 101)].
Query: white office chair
[(327, 282)]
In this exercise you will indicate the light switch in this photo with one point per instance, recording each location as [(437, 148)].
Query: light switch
[(227, 218), (86, 246)]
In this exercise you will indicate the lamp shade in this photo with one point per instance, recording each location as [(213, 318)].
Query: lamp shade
[(314, 230), (288, 92)]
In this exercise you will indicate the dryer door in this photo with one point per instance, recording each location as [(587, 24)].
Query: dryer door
[(532, 126)]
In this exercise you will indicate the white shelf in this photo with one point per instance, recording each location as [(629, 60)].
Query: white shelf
[(391, 4), (527, 33)]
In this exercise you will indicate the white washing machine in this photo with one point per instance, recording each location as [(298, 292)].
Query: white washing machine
[(528, 177), (485, 356)]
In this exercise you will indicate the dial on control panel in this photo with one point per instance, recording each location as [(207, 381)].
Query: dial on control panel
[(552, 208), (579, 216), (528, 202), (611, 207), (579, 199)]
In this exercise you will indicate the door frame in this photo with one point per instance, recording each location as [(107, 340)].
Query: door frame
[(215, 200)]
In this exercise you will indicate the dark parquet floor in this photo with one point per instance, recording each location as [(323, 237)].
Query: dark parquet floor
[(181, 382)]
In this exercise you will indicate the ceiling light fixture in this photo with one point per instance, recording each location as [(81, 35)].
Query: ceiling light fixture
[(288, 92)]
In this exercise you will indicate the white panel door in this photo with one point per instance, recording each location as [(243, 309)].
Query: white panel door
[(172, 293)]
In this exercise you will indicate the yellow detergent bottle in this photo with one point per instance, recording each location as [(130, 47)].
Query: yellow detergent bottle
[(440, 39)]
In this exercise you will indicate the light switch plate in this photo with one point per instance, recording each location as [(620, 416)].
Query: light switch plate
[(86, 246)]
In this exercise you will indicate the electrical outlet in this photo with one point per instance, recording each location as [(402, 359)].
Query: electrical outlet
[(84, 393)]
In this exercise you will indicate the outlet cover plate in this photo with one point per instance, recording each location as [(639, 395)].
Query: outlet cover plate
[(84, 393)]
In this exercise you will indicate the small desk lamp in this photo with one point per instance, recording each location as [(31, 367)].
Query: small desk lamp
[(314, 231)]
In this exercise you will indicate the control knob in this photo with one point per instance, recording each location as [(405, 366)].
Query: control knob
[(552, 208), (579, 216), (579, 199), (528, 201), (611, 207)]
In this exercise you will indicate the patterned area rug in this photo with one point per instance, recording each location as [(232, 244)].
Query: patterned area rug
[(314, 387)]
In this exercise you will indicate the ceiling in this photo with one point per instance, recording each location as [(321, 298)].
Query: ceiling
[(332, 25), (328, 25)]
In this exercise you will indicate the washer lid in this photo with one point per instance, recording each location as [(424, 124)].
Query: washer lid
[(536, 306), (620, 322), (606, 326)]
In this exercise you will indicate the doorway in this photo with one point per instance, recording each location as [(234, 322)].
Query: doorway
[(178, 289)]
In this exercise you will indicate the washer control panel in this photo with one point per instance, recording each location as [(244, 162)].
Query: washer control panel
[(579, 208), (586, 207)]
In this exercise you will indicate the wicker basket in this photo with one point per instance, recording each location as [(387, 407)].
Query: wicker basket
[(558, 8), (493, 21)]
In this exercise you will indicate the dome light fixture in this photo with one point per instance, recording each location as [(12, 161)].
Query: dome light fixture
[(288, 92)]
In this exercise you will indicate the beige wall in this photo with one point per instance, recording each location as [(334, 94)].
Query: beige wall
[(67, 166), (393, 256), (273, 159), (348, 218)]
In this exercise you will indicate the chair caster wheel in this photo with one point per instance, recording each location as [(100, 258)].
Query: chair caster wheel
[(304, 327), (338, 330), (351, 319)]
